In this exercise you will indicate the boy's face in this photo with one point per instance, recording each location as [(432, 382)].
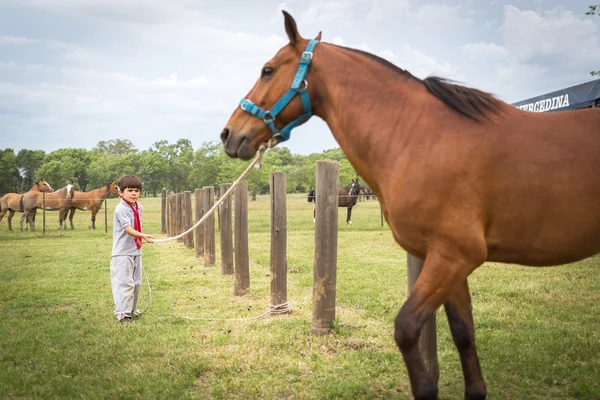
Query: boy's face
[(130, 195)]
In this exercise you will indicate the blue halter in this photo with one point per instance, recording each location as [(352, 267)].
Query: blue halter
[(269, 116)]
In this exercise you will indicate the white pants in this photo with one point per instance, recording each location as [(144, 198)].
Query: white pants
[(126, 282)]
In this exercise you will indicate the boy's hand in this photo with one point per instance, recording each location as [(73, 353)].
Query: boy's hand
[(149, 238)]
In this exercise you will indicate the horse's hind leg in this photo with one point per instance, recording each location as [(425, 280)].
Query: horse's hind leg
[(460, 317), (23, 219), (62, 217), (31, 219), (443, 271)]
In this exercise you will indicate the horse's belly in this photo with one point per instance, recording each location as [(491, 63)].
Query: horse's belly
[(552, 244)]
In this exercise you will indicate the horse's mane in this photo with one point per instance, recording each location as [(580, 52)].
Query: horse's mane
[(473, 103)]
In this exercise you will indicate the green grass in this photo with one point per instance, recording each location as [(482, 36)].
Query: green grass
[(538, 330)]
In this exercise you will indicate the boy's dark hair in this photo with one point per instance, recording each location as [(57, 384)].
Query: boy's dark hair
[(129, 181)]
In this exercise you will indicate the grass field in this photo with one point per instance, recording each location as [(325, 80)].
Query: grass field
[(538, 330)]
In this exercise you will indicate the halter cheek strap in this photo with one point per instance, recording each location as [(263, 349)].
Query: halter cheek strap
[(300, 79)]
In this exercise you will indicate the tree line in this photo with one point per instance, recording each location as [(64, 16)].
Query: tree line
[(174, 166)]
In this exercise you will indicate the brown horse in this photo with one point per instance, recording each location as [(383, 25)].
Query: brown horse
[(91, 201), (59, 200), (11, 202), (461, 176), (347, 197)]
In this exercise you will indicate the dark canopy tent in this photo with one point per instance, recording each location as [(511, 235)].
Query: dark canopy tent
[(571, 98)]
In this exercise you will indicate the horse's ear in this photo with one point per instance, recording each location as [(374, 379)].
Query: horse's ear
[(318, 37), (290, 27)]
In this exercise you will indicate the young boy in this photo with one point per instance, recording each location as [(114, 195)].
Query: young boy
[(126, 262)]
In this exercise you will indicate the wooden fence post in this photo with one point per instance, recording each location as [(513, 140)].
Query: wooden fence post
[(178, 212), (278, 241), (199, 231), (163, 211), (172, 217), (326, 238), (225, 232), (105, 215), (188, 239), (168, 219), (428, 339), (242, 260), (209, 228), (43, 215)]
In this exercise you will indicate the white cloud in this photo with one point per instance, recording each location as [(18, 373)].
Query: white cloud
[(440, 15), (70, 52), (539, 53), (8, 65)]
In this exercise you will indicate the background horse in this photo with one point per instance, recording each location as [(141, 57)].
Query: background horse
[(59, 200), (462, 177), (347, 197), (311, 196), (91, 201), (11, 202)]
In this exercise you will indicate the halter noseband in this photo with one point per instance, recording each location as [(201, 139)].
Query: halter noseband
[(269, 116)]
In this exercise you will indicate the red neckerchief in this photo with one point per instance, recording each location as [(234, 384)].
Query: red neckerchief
[(137, 223)]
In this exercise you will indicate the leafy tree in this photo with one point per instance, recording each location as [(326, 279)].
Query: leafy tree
[(206, 165), (9, 173), (153, 171), (179, 157), (117, 147), (66, 164), (109, 168), (29, 161)]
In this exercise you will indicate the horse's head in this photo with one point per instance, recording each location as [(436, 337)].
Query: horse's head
[(70, 190), (355, 188), (44, 186), (112, 188), (279, 101)]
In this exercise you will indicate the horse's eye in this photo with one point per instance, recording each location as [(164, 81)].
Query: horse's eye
[(266, 71)]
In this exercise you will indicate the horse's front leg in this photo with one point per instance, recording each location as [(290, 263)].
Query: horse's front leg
[(62, 217), (11, 214), (93, 222), (349, 216), (443, 271), (460, 317), (71, 213)]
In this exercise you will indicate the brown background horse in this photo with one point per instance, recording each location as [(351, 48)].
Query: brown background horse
[(462, 177), (11, 202), (91, 201), (59, 200), (347, 197)]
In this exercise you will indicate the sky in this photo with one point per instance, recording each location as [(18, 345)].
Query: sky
[(76, 72)]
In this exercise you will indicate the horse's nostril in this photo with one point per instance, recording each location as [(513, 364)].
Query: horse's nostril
[(224, 135)]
